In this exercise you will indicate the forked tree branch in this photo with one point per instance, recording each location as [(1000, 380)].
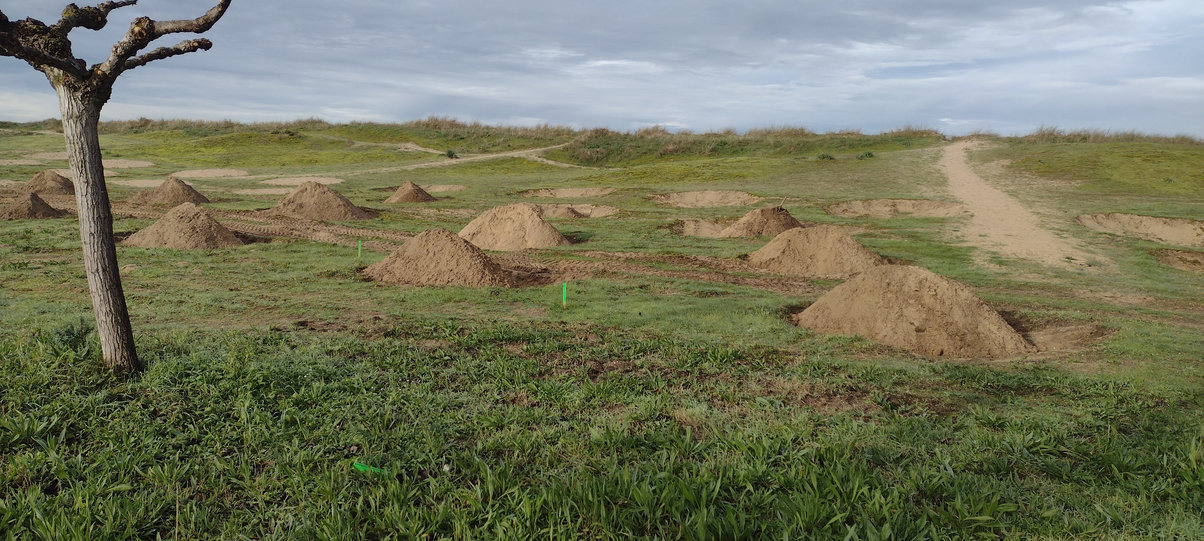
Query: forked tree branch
[(144, 30), (90, 17), (183, 47), (41, 46)]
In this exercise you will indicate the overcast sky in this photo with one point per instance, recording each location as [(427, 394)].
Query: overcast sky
[(1007, 66)]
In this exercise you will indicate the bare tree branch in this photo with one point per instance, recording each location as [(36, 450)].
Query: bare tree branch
[(41, 46), (183, 47), (143, 31), (90, 17)]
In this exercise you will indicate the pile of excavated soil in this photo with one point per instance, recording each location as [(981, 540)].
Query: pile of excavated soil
[(887, 208), (49, 182), (917, 310), (1182, 259), (172, 192), (568, 193), (1179, 231), (707, 198), (438, 257), (821, 251), (185, 227), (768, 221), (297, 181), (512, 227), (29, 207), (410, 193), (577, 211), (210, 173), (314, 201)]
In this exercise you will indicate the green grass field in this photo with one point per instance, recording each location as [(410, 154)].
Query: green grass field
[(286, 397)]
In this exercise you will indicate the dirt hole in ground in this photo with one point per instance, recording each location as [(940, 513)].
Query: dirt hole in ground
[(1179, 231), (1181, 259), (887, 208), (707, 198)]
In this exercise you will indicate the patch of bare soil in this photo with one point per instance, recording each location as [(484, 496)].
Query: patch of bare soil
[(512, 227), (1001, 223), (577, 211), (170, 193), (1179, 231), (438, 257), (410, 193), (440, 188), (29, 207), (49, 183), (263, 191), (20, 162), (317, 202), (1181, 259), (185, 227), (914, 309), (887, 208), (415, 147), (57, 156), (707, 198), (210, 173), (297, 181), (822, 251), (568, 193), (766, 222), (117, 163), (693, 227), (136, 182)]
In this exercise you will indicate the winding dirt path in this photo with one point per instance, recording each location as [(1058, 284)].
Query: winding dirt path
[(1000, 223)]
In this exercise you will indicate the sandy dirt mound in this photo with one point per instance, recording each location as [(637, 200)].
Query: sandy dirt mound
[(568, 192), (577, 211), (210, 173), (297, 181), (707, 198), (438, 257), (29, 207), (1179, 231), (170, 193), (410, 193), (1182, 259), (766, 222), (917, 310), (317, 202), (887, 208), (49, 183), (822, 251), (186, 227), (440, 188), (512, 227)]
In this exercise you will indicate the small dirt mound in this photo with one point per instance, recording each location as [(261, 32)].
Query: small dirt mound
[(511, 228), (410, 193), (822, 251), (1181, 259), (577, 211), (438, 257), (314, 201), (185, 227), (171, 193), (768, 221), (887, 208), (1179, 231), (29, 207), (707, 198), (49, 182), (568, 193), (917, 310)]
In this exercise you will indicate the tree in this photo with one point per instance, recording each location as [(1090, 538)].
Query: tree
[(82, 91)]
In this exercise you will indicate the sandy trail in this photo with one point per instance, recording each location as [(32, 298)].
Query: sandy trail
[(1000, 223)]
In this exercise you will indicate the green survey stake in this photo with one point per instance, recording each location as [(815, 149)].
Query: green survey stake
[(564, 296), (360, 250)]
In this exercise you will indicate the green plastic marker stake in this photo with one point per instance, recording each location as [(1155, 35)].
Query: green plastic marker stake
[(360, 252), (564, 296), (367, 469)]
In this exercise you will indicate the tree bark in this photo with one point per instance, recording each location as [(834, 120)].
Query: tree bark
[(81, 118)]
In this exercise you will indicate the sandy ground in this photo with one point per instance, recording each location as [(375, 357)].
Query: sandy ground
[(297, 181), (210, 173), (1000, 223)]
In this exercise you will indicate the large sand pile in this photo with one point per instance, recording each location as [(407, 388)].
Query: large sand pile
[(1179, 231), (438, 257), (185, 227), (410, 193), (821, 251), (171, 193), (315, 201), (49, 182), (917, 310), (886, 208), (512, 227), (29, 207), (768, 221), (707, 198)]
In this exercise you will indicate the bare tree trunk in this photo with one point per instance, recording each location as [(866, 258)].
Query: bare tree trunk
[(81, 117)]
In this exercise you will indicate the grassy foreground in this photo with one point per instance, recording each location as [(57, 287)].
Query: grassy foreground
[(287, 398)]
